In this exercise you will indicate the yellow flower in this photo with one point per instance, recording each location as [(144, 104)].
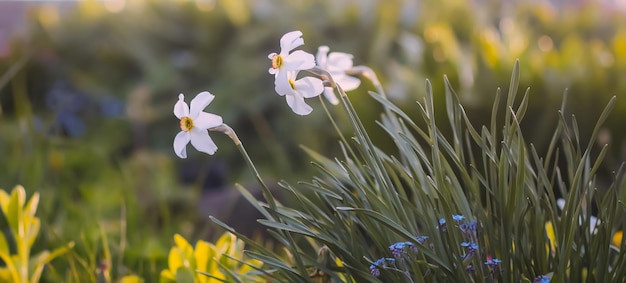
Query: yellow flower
[(617, 238), (551, 237)]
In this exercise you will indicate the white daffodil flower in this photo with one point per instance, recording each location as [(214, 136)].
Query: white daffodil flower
[(336, 63), (593, 221), (295, 91), (194, 124), (285, 61)]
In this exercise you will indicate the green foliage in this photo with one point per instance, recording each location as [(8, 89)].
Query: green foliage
[(150, 51), (18, 237), (368, 199), (209, 263)]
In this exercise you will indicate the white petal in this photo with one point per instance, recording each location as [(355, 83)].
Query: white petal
[(348, 83), (272, 70), (201, 140), (330, 95), (180, 108), (281, 83), (297, 104), (340, 60), (322, 56), (180, 143), (309, 86), (290, 40), (200, 102), (206, 121), (298, 60)]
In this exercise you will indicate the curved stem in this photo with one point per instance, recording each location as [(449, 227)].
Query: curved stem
[(369, 74), (267, 194), (227, 130), (341, 136)]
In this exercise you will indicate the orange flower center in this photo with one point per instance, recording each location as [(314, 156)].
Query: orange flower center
[(277, 61), (186, 124)]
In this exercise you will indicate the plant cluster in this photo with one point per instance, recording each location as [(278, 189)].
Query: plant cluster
[(369, 198), (543, 189)]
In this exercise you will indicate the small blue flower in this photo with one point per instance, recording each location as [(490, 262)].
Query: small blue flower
[(421, 239), (469, 245), (493, 262), (542, 279), (471, 248), (468, 228), (442, 224), (398, 249), (458, 217)]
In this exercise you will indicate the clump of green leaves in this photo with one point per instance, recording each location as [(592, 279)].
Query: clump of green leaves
[(18, 237), (208, 263), (368, 199)]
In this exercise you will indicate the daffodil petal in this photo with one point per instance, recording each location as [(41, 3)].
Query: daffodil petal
[(348, 83), (299, 60), (282, 85), (330, 95), (309, 86), (180, 144), (201, 140), (340, 60), (322, 56), (290, 40), (297, 104), (200, 102), (207, 120), (180, 108)]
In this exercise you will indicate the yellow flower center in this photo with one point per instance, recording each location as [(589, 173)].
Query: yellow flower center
[(277, 61), (186, 124), (292, 84)]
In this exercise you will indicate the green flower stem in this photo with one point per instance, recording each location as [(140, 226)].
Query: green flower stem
[(360, 132), (341, 136), (267, 194), (365, 139), (330, 82), (227, 130)]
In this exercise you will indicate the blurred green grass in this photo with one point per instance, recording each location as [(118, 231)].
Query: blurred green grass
[(119, 174)]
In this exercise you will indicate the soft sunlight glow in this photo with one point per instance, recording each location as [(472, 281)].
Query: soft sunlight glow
[(205, 5), (545, 43), (115, 6)]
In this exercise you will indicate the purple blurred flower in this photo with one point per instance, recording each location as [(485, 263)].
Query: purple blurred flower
[(381, 262), (493, 262), (399, 248), (421, 239)]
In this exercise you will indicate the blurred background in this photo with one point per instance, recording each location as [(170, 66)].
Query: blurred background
[(87, 90)]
